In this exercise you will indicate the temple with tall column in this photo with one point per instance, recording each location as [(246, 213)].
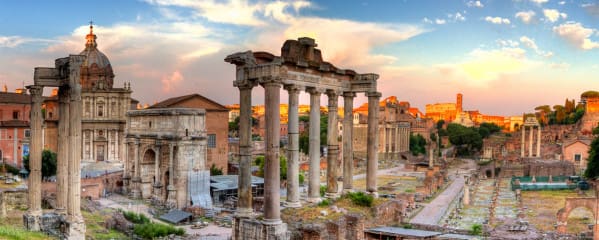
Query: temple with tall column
[(531, 123), (66, 76), (300, 67)]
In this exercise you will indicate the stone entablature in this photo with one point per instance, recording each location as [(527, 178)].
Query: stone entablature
[(299, 68), (166, 159)]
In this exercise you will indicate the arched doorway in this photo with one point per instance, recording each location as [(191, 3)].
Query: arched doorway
[(147, 173), (578, 215)]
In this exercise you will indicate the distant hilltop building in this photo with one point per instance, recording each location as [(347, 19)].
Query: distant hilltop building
[(590, 99), (454, 112)]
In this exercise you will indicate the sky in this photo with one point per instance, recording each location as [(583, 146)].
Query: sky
[(505, 56)]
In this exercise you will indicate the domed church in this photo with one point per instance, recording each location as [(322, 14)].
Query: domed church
[(104, 108)]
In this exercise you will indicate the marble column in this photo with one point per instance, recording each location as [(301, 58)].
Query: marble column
[(293, 148), (333, 146), (157, 184), (539, 142), (314, 148), (136, 191), (244, 192), (77, 225), (170, 197), (396, 140), (35, 161), (272, 181), (348, 154), (62, 168), (126, 175), (373, 142), (523, 129), (530, 137)]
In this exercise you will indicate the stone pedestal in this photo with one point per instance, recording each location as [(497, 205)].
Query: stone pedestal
[(136, 192), (31, 221), (75, 228), (253, 229), (171, 200)]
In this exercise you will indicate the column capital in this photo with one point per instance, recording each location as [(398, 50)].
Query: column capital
[(374, 94), (292, 88), (35, 91), (349, 94), (332, 93), (244, 84), (314, 91), (271, 81)]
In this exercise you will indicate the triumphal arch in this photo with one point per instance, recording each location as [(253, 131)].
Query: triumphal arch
[(300, 67), (66, 76)]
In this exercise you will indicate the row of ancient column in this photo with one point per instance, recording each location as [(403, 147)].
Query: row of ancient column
[(395, 139), (68, 173), (157, 185), (530, 141), (271, 168)]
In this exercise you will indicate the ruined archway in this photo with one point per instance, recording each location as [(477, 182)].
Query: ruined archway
[(147, 172), (574, 203)]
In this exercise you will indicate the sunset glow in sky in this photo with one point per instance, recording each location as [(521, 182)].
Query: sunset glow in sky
[(505, 56)]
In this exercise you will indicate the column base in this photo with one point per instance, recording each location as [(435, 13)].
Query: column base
[(250, 228), (32, 220), (331, 195), (348, 190), (135, 194), (75, 228), (374, 194), (313, 200), (244, 212), (293, 204)]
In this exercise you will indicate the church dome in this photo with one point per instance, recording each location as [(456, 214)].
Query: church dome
[(96, 71)]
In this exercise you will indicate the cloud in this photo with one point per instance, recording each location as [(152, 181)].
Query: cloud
[(592, 9), (426, 20), (451, 18), (553, 15), (577, 35), (497, 20), (507, 43), (15, 41), (238, 12), (477, 4), (529, 43), (525, 17), (539, 1), (440, 21), (171, 82), (561, 2)]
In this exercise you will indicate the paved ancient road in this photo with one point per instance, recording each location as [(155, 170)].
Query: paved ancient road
[(435, 210)]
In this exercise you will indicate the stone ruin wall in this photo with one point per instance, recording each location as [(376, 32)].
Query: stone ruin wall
[(12, 200)]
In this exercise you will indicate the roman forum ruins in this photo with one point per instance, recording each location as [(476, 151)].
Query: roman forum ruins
[(299, 68), (66, 76), (531, 123)]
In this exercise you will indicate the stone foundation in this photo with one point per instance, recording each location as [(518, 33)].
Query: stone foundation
[(254, 229), (31, 222)]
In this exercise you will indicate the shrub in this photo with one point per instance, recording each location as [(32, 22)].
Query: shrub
[(10, 168), (324, 203), (301, 178), (323, 190), (136, 218), (360, 199), (154, 230), (476, 229)]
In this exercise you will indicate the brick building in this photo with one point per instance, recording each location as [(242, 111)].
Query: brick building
[(217, 125), (14, 126)]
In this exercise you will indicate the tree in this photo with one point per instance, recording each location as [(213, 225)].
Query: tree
[(260, 160), (215, 171), (417, 144), (542, 114), (466, 139), (48, 163), (592, 170)]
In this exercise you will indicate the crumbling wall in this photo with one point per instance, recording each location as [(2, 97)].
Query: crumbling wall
[(12, 199)]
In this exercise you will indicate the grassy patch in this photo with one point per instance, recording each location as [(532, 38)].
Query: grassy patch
[(542, 206), (18, 233), (95, 228), (154, 230)]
